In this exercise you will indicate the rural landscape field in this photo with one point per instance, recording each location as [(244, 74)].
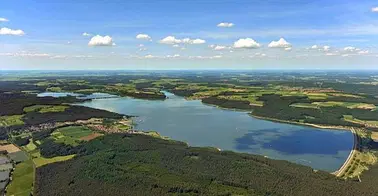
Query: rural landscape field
[(187, 98)]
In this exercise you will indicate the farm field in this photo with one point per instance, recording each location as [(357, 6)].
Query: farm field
[(71, 135), (10, 148), (369, 123), (22, 179), (46, 108), (41, 161), (18, 156), (7, 121)]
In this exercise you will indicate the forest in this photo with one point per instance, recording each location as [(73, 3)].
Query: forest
[(127, 164)]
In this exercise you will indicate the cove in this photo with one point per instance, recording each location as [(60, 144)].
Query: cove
[(199, 124)]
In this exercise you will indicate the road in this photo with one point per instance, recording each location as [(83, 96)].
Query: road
[(349, 160)]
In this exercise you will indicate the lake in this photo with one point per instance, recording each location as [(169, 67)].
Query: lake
[(199, 124)]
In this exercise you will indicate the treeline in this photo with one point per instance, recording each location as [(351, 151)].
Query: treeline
[(14, 103), (123, 164), (144, 95), (183, 92), (18, 86), (21, 141), (226, 103), (73, 113), (49, 148), (276, 106)]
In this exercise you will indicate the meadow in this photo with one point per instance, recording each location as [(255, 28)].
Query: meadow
[(22, 179)]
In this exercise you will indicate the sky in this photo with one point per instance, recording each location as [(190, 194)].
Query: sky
[(188, 34)]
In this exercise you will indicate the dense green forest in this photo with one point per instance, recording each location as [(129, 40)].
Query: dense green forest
[(124, 164)]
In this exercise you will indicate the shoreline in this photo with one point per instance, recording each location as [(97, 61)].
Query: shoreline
[(302, 124), (341, 170)]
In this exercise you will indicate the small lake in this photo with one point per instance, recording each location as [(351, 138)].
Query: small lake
[(204, 125)]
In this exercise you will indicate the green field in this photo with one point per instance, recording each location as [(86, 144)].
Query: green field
[(46, 108), (22, 179), (349, 105), (371, 123), (71, 135), (30, 147), (19, 156), (6, 121), (304, 105), (40, 161)]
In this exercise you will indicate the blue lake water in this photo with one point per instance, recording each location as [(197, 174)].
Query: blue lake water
[(203, 125)]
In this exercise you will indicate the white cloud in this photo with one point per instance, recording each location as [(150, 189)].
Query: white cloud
[(206, 57), (142, 49), (197, 41), (288, 49), (350, 49), (216, 57), (363, 52), (246, 43), (141, 45), (173, 56), (321, 48), (170, 40), (193, 41), (330, 54), (173, 40), (220, 47), (225, 24), (6, 31), (374, 9), (258, 54), (4, 20), (25, 54), (86, 34), (149, 56), (99, 40), (281, 43), (143, 37), (176, 46)]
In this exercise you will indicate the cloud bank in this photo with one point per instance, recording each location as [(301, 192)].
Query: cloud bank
[(173, 41)]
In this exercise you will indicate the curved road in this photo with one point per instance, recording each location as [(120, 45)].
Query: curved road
[(348, 161)]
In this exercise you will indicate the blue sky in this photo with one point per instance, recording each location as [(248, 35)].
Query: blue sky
[(323, 34)]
